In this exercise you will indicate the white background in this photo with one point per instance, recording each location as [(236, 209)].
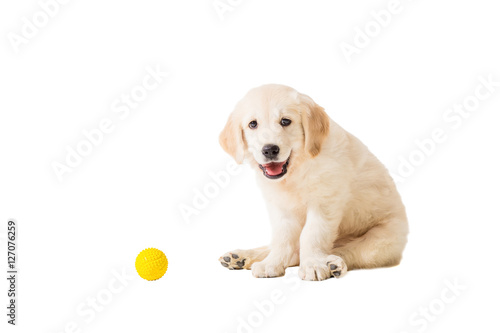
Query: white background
[(125, 195)]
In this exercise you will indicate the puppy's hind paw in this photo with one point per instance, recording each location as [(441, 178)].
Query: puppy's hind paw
[(232, 260), (337, 266)]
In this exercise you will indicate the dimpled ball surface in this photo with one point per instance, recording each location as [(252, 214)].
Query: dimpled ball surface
[(151, 264)]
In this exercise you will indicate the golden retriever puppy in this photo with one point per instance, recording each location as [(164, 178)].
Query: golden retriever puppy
[(332, 205)]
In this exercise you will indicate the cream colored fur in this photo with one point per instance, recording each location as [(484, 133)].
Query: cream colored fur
[(335, 209)]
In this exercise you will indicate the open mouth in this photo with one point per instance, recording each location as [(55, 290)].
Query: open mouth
[(275, 170)]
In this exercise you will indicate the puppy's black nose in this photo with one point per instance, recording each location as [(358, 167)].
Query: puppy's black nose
[(270, 151)]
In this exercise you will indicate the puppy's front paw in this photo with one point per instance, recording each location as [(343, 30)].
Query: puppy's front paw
[(318, 269), (232, 260), (267, 270)]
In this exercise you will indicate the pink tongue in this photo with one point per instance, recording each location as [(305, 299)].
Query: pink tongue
[(274, 169)]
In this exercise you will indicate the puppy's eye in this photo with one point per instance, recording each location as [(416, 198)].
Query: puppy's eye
[(253, 124), (285, 122)]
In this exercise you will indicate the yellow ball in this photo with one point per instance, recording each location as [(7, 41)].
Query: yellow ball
[(151, 264)]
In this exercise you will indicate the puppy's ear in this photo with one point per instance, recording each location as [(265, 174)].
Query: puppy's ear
[(231, 139), (316, 125)]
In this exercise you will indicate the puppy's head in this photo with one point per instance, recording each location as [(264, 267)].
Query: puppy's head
[(273, 126)]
